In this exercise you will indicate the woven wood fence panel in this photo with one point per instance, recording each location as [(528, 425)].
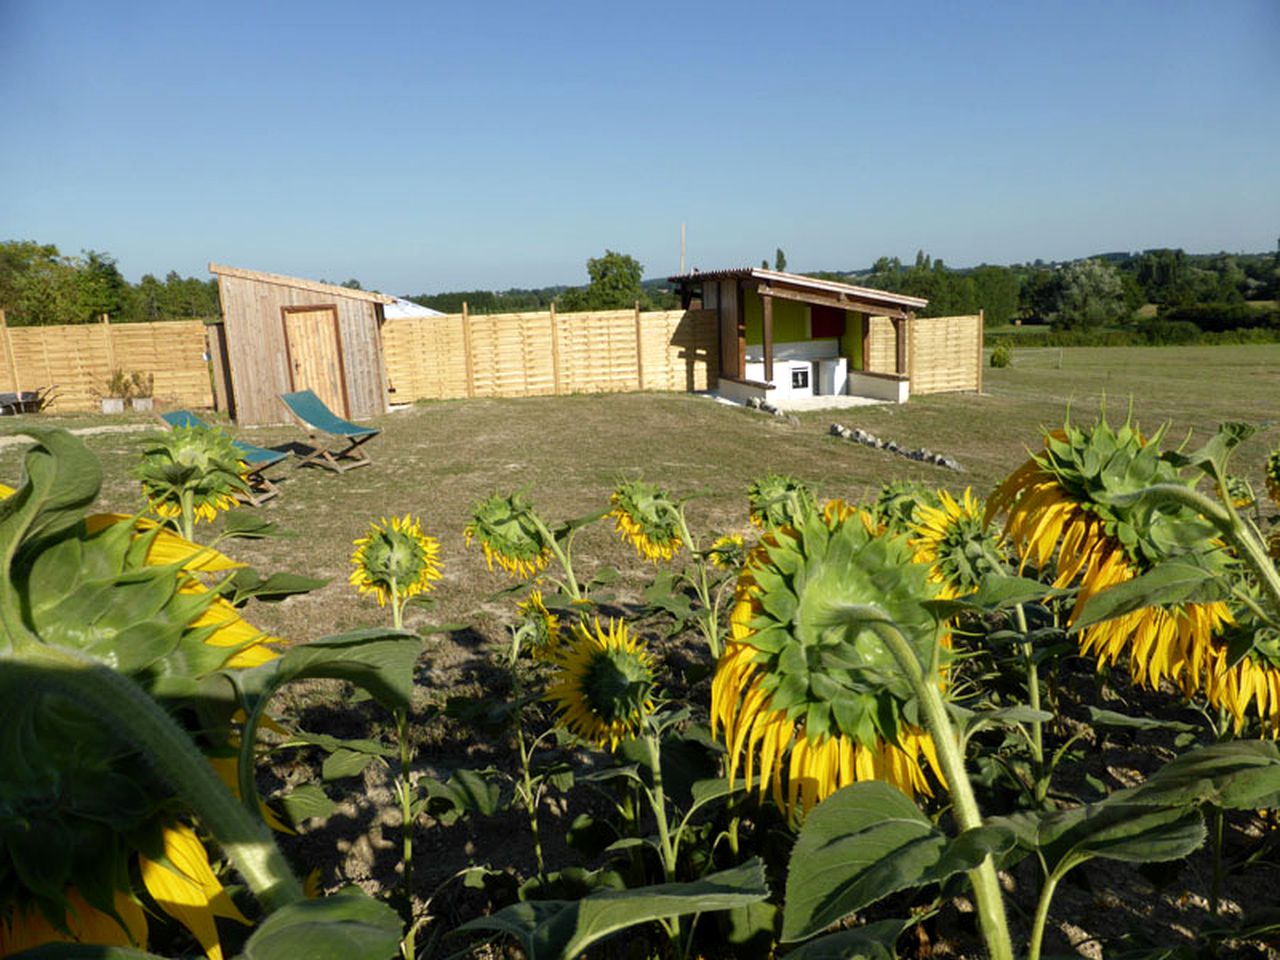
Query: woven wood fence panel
[(80, 359), (946, 354), (531, 354)]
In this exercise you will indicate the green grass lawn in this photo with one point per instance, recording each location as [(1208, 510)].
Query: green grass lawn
[(436, 459)]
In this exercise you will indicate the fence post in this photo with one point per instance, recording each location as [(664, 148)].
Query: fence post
[(466, 350), (8, 352), (555, 349), (110, 349), (639, 358), (982, 319)]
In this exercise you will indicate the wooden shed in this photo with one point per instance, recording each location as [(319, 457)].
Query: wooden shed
[(281, 334)]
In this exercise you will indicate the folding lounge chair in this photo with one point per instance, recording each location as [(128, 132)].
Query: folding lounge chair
[(255, 458), (327, 430)]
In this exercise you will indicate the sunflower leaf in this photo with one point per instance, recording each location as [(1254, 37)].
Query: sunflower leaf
[(346, 926), (247, 583), (858, 846), (565, 928), (1165, 585), (875, 941)]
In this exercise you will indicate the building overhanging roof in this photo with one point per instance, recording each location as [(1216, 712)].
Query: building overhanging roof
[(823, 291), (280, 280)]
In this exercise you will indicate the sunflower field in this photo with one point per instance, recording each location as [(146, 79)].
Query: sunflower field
[(924, 722)]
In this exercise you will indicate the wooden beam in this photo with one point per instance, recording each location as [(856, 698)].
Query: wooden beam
[(8, 350), (899, 347), (639, 351), (555, 351), (466, 349), (766, 310), (740, 325), (840, 301), (981, 323)]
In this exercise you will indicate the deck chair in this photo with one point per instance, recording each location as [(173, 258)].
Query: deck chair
[(327, 430), (256, 459)]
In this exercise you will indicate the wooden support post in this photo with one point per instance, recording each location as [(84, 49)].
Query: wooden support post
[(982, 319), (8, 352), (639, 351), (766, 310), (866, 340), (466, 349), (109, 348), (899, 347), (555, 350)]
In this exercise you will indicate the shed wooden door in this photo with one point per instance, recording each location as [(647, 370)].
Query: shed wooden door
[(315, 354)]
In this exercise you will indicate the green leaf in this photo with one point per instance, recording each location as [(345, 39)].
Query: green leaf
[(343, 763), (548, 929), (1165, 585), (346, 926), (860, 844), (305, 802), (1242, 775), (84, 951), (248, 583), (875, 941), (247, 525), (1110, 718), (379, 660), (997, 592), (1217, 451)]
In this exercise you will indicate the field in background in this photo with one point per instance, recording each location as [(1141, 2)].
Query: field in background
[(436, 458)]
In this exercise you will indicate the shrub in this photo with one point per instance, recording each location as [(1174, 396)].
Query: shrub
[(1002, 355)]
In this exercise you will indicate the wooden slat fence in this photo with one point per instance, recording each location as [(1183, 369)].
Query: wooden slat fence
[(79, 359), (944, 354), (531, 354)]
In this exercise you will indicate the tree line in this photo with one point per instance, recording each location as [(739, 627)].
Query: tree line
[(39, 285)]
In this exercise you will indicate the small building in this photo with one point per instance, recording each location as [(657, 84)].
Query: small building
[(402, 309), (783, 336), (280, 334)]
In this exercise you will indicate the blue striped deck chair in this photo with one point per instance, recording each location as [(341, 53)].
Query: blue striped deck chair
[(255, 458), (327, 431)]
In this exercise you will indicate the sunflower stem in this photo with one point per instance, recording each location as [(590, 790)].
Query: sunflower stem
[(404, 791), (530, 796), (188, 517), (708, 620), (658, 801), (1041, 916), (986, 885), (120, 702), (1228, 521), (562, 556), (1033, 701)]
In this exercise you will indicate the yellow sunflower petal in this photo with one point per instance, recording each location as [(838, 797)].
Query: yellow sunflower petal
[(186, 888)]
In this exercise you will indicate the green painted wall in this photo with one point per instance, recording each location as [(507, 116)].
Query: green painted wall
[(790, 320), (790, 325), (851, 342)]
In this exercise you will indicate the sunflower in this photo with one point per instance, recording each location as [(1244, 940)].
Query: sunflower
[(809, 702), (646, 517), (954, 540), (777, 500), (603, 686), (126, 591), (728, 552), (1272, 471), (194, 469), (897, 502), (1240, 492), (538, 627), (395, 560), (1061, 509), (510, 534)]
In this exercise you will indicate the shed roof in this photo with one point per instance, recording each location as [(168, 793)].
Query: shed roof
[(280, 280), (797, 282)]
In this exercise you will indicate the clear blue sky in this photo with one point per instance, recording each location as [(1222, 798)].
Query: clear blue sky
[(422, 147)]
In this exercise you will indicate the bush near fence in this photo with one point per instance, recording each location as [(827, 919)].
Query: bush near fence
[(79, 360)]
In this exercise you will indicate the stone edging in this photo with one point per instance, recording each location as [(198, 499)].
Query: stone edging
[(920, 454)]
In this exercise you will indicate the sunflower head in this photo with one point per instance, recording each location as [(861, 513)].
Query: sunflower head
[(196, 463), (510, 534), (806, 694), (1240, 492), (777, 500), (1272, 471), (646, 517), (956, 543), (728, 552), (395, 560), (538, 628), (604, 684), (897, 502)]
